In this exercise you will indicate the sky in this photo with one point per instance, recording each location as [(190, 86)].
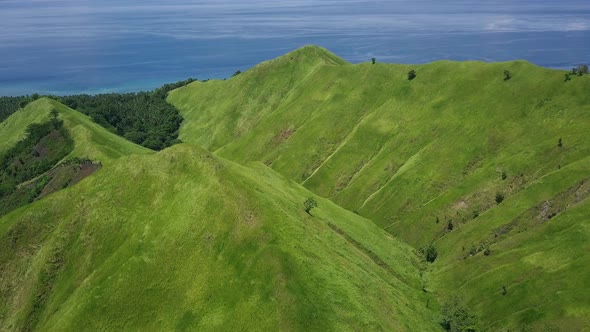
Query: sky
[(67, 46)]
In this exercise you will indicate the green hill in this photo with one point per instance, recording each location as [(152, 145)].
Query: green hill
[(492, 174), (90, 140), (44, 153), (184, 240), (458, 156)]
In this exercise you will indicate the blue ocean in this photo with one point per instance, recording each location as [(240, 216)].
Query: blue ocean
[(85, 46)]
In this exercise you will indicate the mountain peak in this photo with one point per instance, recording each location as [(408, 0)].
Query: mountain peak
[(315, 52), (310, 54)]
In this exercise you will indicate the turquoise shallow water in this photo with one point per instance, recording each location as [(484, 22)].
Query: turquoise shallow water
[(83, 46)]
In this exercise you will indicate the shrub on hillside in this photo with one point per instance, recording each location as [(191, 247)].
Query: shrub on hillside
[(580, 70), (411, 74), (507, 75), (456, 316), (310, 204), (499, 198), (431, 253)]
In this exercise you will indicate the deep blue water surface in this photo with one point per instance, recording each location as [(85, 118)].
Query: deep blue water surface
[(90, 46)]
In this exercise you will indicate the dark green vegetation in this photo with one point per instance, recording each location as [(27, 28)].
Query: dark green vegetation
[(457, 318), (580, 70), (9, 105), (212, 234), (431, 253), (310, 204), (144, 118)]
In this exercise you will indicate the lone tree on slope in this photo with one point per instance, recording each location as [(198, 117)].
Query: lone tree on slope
[(310, 204), (373, 60), (499, 198), (580, 70), (431, 253)]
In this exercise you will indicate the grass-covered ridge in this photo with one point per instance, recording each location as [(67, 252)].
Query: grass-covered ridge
[(90, 139), (183, 240), (238, 105), (485, 175), (44, 146), (459, 156), (48, 147)]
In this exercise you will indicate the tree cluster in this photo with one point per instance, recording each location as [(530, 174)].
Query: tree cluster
[(310, 204), (499, 198), (144, 118), (457, 317), (9, 105), (580, 70), (431, 253)]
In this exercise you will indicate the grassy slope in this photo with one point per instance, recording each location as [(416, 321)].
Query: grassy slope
[(544, 264), (184, 240), (241, 103), (91, 140), (406, 152), (13, 128)]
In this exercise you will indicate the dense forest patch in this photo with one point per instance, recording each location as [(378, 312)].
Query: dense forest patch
[(9, 105), (144, 118)]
